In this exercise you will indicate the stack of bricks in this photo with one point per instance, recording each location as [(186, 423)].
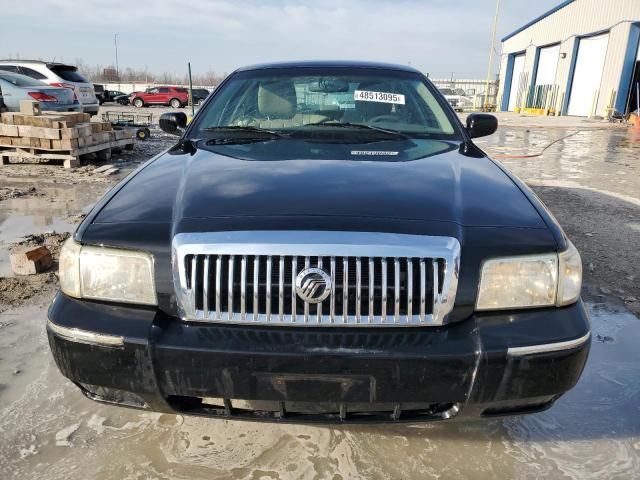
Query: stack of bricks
[(52, 131), (50, 135), (55, 131)]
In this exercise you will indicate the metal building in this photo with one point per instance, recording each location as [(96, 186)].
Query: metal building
[(581, 58)]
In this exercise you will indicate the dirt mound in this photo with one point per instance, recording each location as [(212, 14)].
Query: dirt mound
[(52, 240), (16, 290), (7, 193)]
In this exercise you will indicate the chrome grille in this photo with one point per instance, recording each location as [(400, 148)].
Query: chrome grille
[(376, 279)]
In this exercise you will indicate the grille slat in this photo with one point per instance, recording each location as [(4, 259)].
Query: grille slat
[(281, 288), (384, 289), (423, 289), (319, 313), (333, 290), (435, 285), (294, 298), (372, 274), (396, 288), (256, 285), (358, 290), (230, 285), (243, 288), (345, 289), (364, 290), (307, 264), (409, 287), (268, 281), (205, 288)]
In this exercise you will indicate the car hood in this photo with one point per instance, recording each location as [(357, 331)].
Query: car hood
[(423, 188), (413, 180)]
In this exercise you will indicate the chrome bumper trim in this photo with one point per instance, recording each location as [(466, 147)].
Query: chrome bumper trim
[(85, 336), (548, 347)]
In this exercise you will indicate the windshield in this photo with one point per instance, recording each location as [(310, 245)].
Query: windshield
[(305, 101), (21, 80)]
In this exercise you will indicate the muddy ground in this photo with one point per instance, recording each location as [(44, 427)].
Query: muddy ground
[(591, 183)]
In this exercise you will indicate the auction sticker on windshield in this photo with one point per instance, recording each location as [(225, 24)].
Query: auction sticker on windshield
[(383, 97)]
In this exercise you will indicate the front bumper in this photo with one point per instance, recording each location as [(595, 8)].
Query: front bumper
[(490, 364)]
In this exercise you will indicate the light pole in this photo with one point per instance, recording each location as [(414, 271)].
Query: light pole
[(115, 41), (493, 43)]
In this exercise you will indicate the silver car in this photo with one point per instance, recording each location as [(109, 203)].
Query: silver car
[(16, 87), (57, 75)]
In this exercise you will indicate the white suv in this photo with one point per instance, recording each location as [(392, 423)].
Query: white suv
[(57, 75)]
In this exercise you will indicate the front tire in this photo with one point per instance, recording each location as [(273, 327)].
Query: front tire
[(175, 103), (138, 103)]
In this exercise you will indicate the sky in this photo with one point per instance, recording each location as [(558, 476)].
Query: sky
[(439, 37)]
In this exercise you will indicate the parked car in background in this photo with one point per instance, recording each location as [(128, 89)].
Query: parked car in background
[(295, 260), (115, 96), (199, 95), (456, 98), (175, 97), (16, 87), (99, 91), (57, 75)]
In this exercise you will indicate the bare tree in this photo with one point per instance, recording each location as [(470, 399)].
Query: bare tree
[(105, 73)]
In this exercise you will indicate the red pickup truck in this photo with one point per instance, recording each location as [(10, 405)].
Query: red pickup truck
[(175, 97)]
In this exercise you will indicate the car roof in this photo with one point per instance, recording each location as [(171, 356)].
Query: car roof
[(329, 64), (41, 62)]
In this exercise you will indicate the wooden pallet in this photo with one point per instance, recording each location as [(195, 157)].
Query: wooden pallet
[(70, 158)]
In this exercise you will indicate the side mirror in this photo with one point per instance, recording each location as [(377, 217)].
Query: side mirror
[(481, 125), (173, 122)]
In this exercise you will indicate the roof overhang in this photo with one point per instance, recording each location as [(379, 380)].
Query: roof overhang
[(536, 20)]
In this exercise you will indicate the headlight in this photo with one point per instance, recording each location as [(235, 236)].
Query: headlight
[(109, 274), (531, 281)]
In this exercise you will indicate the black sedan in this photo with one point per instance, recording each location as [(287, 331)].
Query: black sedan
[(114, 96), (325, 243)]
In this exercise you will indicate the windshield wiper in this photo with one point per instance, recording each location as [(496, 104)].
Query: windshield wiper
[(237, 134), (362, 126), (243, 129)]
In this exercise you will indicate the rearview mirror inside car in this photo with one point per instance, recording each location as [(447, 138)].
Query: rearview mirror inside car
[(481, 125), (329, 85), (173, 122)]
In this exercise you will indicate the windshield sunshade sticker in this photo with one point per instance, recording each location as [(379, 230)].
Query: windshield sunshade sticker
[(381, 97), (374, 153)]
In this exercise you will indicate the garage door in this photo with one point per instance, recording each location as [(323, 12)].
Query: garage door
[(516, 82), (547, 65), (587, 74)]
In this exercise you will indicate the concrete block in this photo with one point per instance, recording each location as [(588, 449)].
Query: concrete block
[(9, 130), (30, 260), (66, 144), (30, 107), (71, 163), (39, 132)]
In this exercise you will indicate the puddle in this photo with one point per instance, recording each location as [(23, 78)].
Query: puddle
[(604, 160), (591, 433), (55, 209)]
